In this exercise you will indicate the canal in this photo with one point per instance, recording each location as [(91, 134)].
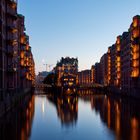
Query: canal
[(87, 117)]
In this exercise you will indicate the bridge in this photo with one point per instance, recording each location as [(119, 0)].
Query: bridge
[(89, 86), (40, 86)]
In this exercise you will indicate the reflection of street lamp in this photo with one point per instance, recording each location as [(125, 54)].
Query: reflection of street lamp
[(43, 108)]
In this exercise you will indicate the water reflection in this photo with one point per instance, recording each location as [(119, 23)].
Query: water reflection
[(120, 115), (67, 109), (43, 107), (90, 92), (85, 116), (17, 124)]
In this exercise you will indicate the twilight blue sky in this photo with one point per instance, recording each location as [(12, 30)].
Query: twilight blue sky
[(75, 28)]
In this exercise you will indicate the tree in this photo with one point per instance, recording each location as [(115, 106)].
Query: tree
[(51, 79)]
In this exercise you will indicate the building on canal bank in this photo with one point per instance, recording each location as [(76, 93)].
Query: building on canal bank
[(92, 74), (120, 66), (17, 67), (66, 71), (103, 67), (96, 74), (84, 78)]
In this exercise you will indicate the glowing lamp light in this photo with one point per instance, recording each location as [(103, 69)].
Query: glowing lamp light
[(27, 47), (27, 63), (22, 39), (118, 40), (117, 82), (134, 123), (118, 48), (70, 83), (136, 56), (135, 22), (14, 5), (22, 54), (118, 69), (14, 30), (27, 59), (135, 73), (135, 48), (118, 64), (109, 50), (118, 76), (27, 75), (135, 33), (14, 43), (135, 63), (118, 59), (22, 62)]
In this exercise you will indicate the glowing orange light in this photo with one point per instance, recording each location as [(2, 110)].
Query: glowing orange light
[(135, 72), (118, 40), (118, 58), (135, 33), (22, 54), (136, 56), (27, 75), (135, 63), (135, 22), (22, 39), (22, 62), (27, 47)]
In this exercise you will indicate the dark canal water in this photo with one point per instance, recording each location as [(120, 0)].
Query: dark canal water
[(87, 117)]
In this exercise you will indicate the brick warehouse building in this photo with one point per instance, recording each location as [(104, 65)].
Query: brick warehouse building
[(66, 70), (121, 63), (84, 77), (16, 59)]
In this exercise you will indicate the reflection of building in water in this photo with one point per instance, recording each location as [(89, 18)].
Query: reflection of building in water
[(89, 91), (17, 124), (67, 109), (84, 91), (119, 115), (134, 129), (26, 128)]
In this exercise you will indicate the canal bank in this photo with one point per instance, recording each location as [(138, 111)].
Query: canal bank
[(16, 124), (108, 90), (58, 90), (130, 93), (14, 98)]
